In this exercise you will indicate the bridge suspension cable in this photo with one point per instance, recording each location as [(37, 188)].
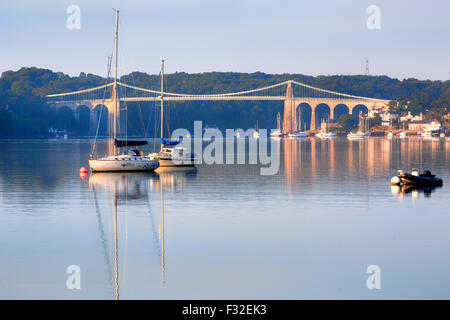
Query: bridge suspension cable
[(80, 91), (306, 91)]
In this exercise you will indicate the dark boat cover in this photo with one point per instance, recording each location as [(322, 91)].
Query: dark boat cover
[(129, 143), (410, 179), (169, 143)]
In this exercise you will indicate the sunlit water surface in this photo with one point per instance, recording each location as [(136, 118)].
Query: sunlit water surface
[(226, 231)]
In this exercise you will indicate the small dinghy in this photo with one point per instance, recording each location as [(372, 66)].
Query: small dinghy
[(419, 179)]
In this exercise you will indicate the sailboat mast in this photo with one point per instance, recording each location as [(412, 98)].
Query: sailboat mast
[(116, 41), (162, 100)]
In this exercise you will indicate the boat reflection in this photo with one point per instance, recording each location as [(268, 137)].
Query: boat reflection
[(123, 187), (126, 185), (413, 190), (173, 178)]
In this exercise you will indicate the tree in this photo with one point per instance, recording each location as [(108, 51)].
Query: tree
[(375, 121), (5, 123), (348, 122)]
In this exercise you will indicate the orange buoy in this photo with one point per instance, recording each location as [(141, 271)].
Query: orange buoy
[(83, 172)]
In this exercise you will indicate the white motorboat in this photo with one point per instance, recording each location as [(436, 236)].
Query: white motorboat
[(326, 135), (172, 155), (403, 135), (390, 135), (358, 135), (176, 157), (297, 135), (133, 160), (276, 133)]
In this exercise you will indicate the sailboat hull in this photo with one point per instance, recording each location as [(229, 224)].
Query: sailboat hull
[(176, 163), (122, 165)]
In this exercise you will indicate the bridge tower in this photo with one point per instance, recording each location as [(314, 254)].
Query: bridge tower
[(289, 114)]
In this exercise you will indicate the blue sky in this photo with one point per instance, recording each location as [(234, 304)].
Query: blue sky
[(279, 36)]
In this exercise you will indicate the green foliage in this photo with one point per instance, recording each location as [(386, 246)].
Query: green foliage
[(348, 122), (375, 121), (5, 122)]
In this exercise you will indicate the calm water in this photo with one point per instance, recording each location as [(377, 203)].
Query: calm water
[(225, 231)]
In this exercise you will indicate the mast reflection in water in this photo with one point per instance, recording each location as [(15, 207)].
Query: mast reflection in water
[(123, 188)]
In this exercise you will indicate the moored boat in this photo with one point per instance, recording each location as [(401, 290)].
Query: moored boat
[(297, 135), (326, 135), (256, 132), (358, 135), (363, 129), (415, 178), (172, 155), (132, 160), (276, 133)]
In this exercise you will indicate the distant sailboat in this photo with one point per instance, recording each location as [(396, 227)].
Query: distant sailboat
[(390, 134), (256, 132), (298, 134), (403, 133), (277, 132), (363, 129), (325, 134), (133, 160)]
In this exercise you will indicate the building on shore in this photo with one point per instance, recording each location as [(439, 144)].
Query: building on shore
[(424, 126), (330, 125), (410, 117)]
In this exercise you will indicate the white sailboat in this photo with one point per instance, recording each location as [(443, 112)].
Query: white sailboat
[(171, 154), (256, 132), (276, 133), (324, 134), (390, 134), (363, 130), (298, 134), (132, 160), (403, 134)]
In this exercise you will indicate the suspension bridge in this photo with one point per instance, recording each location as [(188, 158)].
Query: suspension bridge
[(295, 95)]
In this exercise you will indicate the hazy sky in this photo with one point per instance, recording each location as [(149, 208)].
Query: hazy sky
[(278, 36)]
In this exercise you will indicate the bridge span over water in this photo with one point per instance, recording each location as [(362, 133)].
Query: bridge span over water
[(295, 95)]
